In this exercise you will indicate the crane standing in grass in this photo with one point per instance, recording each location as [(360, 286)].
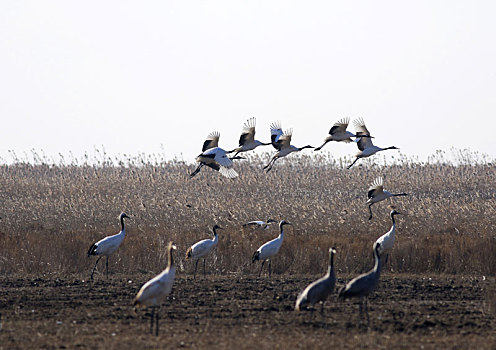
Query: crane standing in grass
[(365, 146), (270, 249), (376, 193), (155, 290), (319, 290), (386, 241), (108, 245), (282, 143), (247, 140), (364, 284), (202, 248)]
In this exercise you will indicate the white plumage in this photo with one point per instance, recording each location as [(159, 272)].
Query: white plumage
[(155, 290), (376, 193), (386, 241), (108, 245), (260, 223), (364, 142), (270, 249), (282, 142), (215, 157), (202, 248)]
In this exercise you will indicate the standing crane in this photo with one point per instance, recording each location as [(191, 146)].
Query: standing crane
[(363, 285), (108, 245), (215, 157), (376, 193), (270, 249), (282, 143), (155, 290), (386, 241), (319, 290), (365, 146), (202, 248), (247, 140)]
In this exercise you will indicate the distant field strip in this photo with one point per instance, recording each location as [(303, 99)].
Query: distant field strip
[(52, 214)]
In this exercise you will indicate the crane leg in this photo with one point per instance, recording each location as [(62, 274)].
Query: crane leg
[(106, 264), (156, 321), (94, 267), (370, 211), (322, 309), (151, 319), (349, 166), (367, 311), (197, 170), (196, 267), (204, 274), (270, 268), (261, 267)]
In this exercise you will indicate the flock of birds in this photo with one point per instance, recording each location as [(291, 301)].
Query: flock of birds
[(220, 160), (155, 290)]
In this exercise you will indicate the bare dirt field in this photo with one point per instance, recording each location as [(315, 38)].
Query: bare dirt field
[(407, 311)]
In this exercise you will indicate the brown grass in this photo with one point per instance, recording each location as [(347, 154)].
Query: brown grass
[(51, 214)]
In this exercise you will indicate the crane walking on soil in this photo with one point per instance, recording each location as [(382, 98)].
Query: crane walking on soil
[(155, 290), (270, 249), (364, 284), (202, 248), (319, 290), (108, 245)]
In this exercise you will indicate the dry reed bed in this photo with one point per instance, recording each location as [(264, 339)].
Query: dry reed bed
[(52, 213)]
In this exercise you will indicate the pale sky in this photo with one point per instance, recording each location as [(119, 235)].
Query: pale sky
[(147, 76)]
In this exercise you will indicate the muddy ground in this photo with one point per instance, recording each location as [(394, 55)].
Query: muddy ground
[(243, 311)]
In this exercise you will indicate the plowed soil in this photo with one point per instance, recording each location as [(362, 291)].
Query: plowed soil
[(243, 312)]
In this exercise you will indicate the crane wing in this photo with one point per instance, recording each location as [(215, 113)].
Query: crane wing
[(211, 141), (361, 130), (340, 126), (248, 133), (376, 187), (285, 139), (275, 134)]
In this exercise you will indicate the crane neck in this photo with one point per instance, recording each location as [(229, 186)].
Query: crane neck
[(378, 264), (123, 229), (216, 236), (330, 270), (392, 219), (170, 258)]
